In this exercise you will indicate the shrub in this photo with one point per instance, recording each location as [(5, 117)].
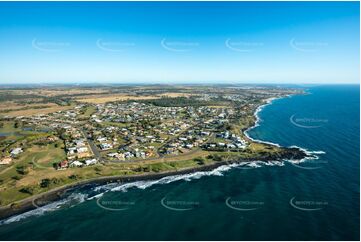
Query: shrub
[(27, 190), (199, 160), (45, 183), (21, 170)]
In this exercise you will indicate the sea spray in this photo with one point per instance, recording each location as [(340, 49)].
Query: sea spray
[(165, 180), (70, 201)]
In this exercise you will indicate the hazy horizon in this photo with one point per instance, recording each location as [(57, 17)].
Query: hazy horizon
[(190, 83)]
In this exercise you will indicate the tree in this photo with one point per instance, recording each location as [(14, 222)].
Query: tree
[(16, 125), (199, 160), (73, 177), (45, 183), (15, 178), (217, 157), (28, 190), (21, 170)]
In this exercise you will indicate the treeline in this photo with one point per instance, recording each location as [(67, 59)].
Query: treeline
[(176, 102), (13, 97), (33, 99), (56, 100)]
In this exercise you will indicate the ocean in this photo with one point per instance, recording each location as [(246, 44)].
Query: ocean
[(314, 200)]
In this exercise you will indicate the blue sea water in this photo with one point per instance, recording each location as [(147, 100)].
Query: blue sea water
[(313, 200)]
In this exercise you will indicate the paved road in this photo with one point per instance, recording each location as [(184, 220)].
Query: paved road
[(97, 154), (92, 146), (177, 136)]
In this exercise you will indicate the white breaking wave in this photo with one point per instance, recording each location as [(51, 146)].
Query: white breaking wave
[(311, 155), (74, 198), (309, 152), (165, 180), (259, 163), (77, 198), (219, 171), (258, 120)]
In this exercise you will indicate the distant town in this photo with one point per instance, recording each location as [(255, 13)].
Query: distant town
[(53, 136)]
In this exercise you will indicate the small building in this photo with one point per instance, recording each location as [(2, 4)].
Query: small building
[(76, 164), (113, 155), (82, 149), (189, 146), (231, 146), (106, 146), (101, 139), (91, 162), (62, 165), (16, 151), (240, 145)]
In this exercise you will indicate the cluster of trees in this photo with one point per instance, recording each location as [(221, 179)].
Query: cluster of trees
[(28, 190), (215, 157), (22, 170), (199, 160), (18, 124), (44, 183), (6, 96), (176, 102), (144, 123)]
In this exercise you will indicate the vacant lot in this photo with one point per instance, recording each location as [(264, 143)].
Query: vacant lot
[(15, 110), (99, 99)]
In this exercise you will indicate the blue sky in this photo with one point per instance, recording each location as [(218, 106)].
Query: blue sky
[(187, 42)]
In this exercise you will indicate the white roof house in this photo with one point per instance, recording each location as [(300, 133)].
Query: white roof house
[(16, 151), (76, 163), (91, 162)]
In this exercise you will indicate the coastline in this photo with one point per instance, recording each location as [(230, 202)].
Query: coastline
[(258, 119), (269, 101), (55, 194)]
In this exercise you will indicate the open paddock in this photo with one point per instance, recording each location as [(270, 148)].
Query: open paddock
[(99, 99)]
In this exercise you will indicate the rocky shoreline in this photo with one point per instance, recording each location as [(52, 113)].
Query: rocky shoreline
[(43, 199), (56, 194)]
